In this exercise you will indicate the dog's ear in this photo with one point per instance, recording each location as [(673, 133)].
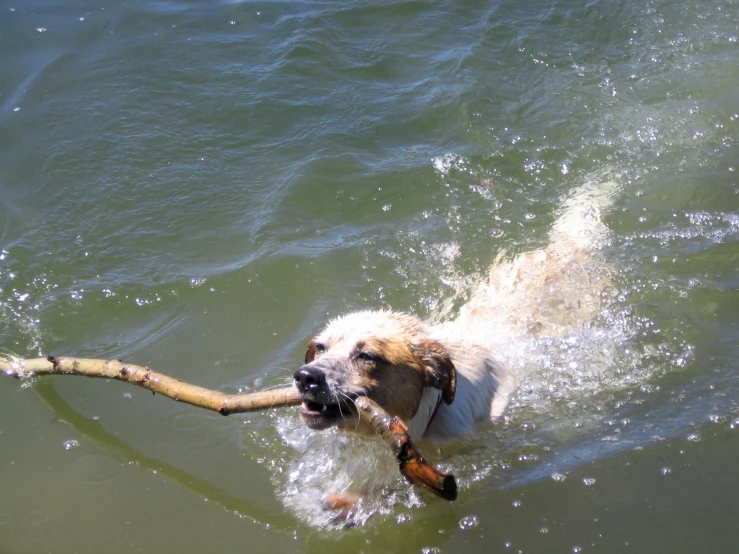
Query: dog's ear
[(440, 371)]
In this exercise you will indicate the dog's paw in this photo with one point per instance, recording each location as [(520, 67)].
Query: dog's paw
[(344, 504)]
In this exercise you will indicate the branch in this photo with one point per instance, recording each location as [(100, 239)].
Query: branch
[(170, 387), (392, 429), (410, 462)]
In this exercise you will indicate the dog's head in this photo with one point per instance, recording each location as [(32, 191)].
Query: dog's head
[(383, 355)]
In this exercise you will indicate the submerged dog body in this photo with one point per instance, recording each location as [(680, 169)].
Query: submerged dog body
[(444, 379)]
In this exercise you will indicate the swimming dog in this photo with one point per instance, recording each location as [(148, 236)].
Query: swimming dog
[(443, 379)]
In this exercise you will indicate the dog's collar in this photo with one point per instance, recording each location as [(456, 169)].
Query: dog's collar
[(436, 410), (428, 407)]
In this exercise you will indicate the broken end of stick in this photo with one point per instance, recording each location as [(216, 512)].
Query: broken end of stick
[(449, 487), (419, 472), (410, 462)]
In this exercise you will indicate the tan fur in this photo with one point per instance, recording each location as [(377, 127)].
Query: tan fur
[(405, 360)]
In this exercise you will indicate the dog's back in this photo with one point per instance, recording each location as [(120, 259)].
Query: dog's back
[(545, 293)]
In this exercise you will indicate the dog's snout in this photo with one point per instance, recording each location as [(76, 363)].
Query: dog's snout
[(309, 379)]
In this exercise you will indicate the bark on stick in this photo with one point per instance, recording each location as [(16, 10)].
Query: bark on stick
[(170, 387), (410, 462)]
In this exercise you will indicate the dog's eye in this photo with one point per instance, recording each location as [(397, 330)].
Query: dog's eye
[(365, 357), (319, 348)]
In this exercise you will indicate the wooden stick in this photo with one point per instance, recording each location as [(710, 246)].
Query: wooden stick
[(170, 387), (410, 462)]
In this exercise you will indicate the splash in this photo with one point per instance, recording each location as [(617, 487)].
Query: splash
[(335, 462)]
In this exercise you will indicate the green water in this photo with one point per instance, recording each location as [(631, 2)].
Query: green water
[(200, 186)]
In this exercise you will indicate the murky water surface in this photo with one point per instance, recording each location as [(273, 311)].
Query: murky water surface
[(200, 186)]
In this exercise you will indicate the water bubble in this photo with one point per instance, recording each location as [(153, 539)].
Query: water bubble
[(577, 549), (528, 458), (430, 550), (694, 437), (559, 477), (666, 471), (544, 530), (403, 518), (71, 444), (516, 504), (588, 481), (468, 522)]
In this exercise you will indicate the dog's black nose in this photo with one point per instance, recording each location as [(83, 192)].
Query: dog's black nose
[(309, 379)]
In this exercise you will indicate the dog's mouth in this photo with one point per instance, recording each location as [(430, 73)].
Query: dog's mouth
[(320, 416)]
